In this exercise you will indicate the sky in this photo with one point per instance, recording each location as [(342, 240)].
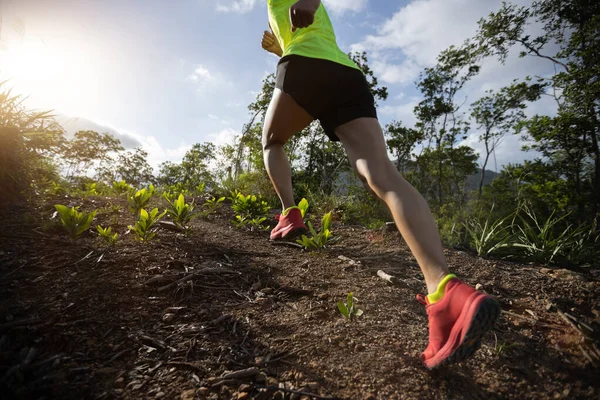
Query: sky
[(166, 74)]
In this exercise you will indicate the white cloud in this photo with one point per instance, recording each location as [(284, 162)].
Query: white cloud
[(238, 6), (412, 38), (208, 80), (403, 112), (200, 74), (403, 73), (423, 28), (225, 136), (341, 6)]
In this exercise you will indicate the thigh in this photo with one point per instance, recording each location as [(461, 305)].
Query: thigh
[(284, 118), (365, 145)]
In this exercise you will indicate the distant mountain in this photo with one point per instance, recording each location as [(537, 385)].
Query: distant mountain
[(346, 178), (473, 180), (74, 124)]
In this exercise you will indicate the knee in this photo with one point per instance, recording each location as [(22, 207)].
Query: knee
[(380, 177), (269, 139)]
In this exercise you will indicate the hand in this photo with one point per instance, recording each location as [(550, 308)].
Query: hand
[(302, 14), (270, 43)]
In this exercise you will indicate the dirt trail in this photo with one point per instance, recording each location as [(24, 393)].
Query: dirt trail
[(171, 319)]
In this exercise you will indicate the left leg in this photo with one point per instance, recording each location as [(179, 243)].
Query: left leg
[(458, 314), (365, 145)]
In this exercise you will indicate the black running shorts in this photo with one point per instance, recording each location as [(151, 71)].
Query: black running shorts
[(330, 92)]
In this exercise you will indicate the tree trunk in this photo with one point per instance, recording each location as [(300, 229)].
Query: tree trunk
[(487, 157)]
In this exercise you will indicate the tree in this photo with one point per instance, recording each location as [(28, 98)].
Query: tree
[(195, 165), (89, 149), (401, 142), (131, 166), (497, 113), (169, 173), (439, 118), (569, 139)]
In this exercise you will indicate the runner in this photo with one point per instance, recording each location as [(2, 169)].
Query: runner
[(317, 81)]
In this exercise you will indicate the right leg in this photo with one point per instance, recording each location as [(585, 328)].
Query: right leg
[(284, 118)]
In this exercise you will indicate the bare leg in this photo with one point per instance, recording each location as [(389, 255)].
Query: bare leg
[(365, 145), (284, 118)]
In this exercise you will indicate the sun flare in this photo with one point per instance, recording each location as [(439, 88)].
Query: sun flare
[(57, 74)]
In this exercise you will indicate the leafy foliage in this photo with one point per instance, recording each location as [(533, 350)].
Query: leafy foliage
[(121, 187), (319, 239), (75, 222), (140, 199), (348, 309), (181, 212), (249, 205), (107, 234), (213, 204), (143, 226), (303, 206), (490, 236), (29, 140)]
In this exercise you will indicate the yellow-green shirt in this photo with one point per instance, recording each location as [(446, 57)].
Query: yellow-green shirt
[(316, 41)]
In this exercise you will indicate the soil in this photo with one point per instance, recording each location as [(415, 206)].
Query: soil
[(222, 313)]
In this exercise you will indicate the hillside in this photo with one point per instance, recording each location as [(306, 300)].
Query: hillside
[(222, 313)]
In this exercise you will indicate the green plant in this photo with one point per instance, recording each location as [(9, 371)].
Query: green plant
[(500, 348), (348, 309), (57, 189), (200, 188), (488, 237), (181, 212), (585, 247), (213, 204), (179, 188), (91, 189), (74, 221), (107, 234), (321, 238), (143, 226), (303, 206), (543, 242), (248, 206), (140, 199), (121, 187)]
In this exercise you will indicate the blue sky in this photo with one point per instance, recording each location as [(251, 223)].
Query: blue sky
[(168, 74)]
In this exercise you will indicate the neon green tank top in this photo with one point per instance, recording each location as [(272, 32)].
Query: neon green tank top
[(316, 41)]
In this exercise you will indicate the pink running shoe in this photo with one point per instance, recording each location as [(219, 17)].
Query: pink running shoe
[(457, 323), (290, 225)]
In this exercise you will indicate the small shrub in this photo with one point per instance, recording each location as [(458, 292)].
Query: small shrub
[(489, 237), (543, 241), (107, 234), (121, 187), (348, 309), (213, 204), (181, 212), (75, 222), (321, 238), (140, 199), (57, 189), (248, 206), (143, 226), (91, 189)]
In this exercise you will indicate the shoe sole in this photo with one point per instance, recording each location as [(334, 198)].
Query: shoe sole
[(293, 234), (482, 321)]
